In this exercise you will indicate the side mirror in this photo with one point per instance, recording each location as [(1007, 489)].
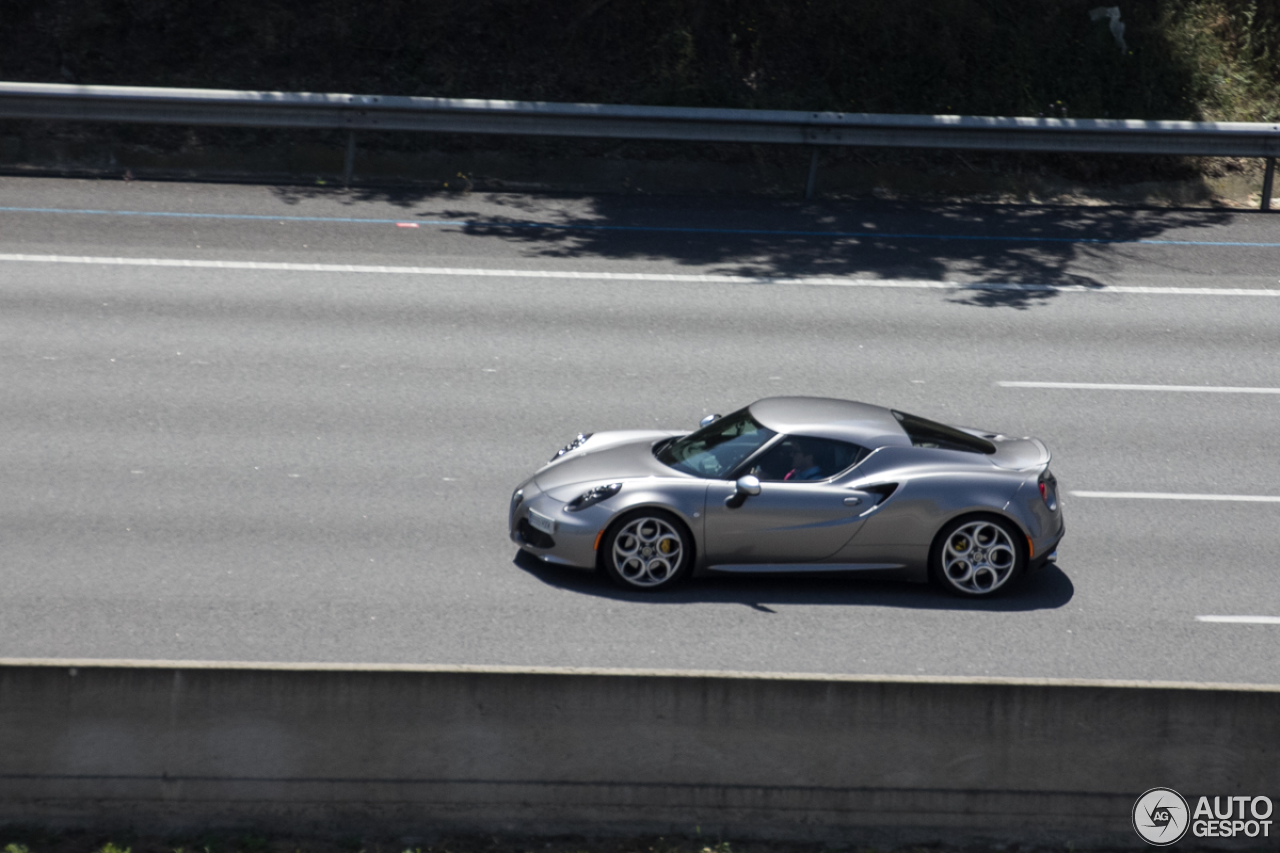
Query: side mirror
[(744, 488), (708, 420)]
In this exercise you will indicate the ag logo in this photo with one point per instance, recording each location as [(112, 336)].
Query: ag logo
[(1161, 817)]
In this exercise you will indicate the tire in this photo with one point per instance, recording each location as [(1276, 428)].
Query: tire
[(978, 556), (647, 550)]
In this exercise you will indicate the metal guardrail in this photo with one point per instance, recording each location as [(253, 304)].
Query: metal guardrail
[(451, 115)]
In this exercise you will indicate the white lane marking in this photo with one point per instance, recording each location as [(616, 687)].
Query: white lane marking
[(1106, 386), (909, 284), (1174, 496), (1242, 620)]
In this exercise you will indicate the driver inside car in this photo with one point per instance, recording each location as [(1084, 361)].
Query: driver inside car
[(794, 460), (802, 465)]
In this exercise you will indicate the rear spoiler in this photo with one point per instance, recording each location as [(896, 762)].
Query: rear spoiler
[(1019, 454)]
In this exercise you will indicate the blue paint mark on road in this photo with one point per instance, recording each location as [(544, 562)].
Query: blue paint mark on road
[(663, 229)]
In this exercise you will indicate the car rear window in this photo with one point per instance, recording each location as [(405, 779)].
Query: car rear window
[(926, 433)]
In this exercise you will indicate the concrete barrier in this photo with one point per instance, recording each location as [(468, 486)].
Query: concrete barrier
[(178, 746)]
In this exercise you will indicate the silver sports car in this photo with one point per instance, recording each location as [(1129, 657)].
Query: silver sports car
[(796, 484)]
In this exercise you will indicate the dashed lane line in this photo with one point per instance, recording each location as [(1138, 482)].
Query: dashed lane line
[(1242, 620), (1107, 386), (1176, 496)]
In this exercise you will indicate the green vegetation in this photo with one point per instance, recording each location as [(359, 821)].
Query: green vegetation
[(1186, 59), (1231, 53), (1182, 59), (85, 843)]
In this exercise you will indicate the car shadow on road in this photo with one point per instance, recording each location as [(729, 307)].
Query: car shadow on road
[(1047, 588)]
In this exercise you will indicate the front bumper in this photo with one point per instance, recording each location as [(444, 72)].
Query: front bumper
[(571, 543)]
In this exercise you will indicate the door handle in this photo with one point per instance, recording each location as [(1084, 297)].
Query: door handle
[(852, 501)]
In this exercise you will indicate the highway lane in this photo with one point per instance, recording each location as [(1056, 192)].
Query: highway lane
[(631, 233), (287, 465)]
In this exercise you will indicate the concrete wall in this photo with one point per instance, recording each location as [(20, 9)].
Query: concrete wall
[(405, 750)]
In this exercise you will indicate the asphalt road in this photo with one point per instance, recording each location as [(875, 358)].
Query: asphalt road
[(294, 463)]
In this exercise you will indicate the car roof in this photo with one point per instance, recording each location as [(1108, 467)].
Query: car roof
[(825, 417)]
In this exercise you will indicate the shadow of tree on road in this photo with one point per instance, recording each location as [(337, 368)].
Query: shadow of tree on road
[(1025, 252)]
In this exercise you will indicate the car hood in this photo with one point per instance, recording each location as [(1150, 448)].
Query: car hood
[(608, 456)]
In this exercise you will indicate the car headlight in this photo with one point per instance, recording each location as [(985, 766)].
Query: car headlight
[(573, 445), (593, 497), (516, 497)]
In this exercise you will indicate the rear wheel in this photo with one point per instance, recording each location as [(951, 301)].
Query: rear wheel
[(647, 550), (977, 556)]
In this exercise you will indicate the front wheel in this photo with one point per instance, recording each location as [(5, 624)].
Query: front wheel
[(977, 556), (647, 550)]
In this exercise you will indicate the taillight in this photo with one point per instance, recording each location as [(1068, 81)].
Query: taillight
[(1049, 490)]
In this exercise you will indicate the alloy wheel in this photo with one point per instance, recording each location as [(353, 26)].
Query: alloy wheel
[(647, 552), (978, 557)]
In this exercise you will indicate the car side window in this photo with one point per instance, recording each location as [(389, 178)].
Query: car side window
[(798, 458)]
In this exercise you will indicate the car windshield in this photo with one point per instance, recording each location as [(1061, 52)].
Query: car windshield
[(717, 448)]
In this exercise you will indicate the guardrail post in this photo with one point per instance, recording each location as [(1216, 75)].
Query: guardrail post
[(813, 175), (1268, 182), (349, 164)]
